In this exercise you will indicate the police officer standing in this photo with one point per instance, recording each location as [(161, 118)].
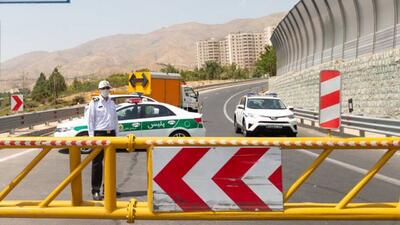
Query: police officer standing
[(102, 121)]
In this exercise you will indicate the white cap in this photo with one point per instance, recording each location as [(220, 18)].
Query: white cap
[(104, 83)]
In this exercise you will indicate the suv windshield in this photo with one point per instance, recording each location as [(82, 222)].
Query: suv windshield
[(262, 103)]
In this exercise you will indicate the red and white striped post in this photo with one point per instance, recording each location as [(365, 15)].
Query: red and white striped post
[(329, 100)]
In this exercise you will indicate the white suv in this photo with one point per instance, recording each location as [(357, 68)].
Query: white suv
[(264, 114)]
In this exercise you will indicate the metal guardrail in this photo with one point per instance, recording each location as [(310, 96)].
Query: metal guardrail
[(77, 207), (9, 123), (388, 127)]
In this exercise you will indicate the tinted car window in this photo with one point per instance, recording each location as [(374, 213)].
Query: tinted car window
[(129, 113), (265, 104), (242, 101), (150, 111)]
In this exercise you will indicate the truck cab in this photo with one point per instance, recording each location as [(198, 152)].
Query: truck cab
[(190, 99)]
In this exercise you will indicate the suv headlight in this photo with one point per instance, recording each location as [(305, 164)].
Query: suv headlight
[(251, 115)]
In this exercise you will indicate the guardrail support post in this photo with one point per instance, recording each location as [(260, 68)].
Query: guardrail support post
[(76, 184), (110, 193)]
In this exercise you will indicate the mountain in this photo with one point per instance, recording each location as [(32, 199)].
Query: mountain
[(126, 52)]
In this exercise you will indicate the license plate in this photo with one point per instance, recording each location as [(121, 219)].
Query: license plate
[(274, 126)]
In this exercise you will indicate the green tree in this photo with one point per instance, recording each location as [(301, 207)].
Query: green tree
[(266, 64), (118, 80), (143, 70), (212, 69), (56, 83), (40, 91), (76, 84), (169, 68)]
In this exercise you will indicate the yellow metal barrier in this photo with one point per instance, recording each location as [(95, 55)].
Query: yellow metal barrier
[(132, 210)]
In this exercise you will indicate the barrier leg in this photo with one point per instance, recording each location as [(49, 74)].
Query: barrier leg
[(356, 189), (110, 193), (76, 184), (23, 173), (307, 173), (150, 177), (69, 179)]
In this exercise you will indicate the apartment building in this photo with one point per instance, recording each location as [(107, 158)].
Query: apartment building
[(241, 49), (244, 48), (207, 50)]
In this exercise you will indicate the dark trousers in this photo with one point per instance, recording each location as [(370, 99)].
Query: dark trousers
[(97, 164)]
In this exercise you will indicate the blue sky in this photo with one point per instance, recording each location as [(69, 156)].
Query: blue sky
[(27, 28)]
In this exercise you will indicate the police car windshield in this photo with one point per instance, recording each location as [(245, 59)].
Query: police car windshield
[(262, 103)]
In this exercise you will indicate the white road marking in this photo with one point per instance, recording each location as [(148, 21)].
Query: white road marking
[(231, 86), (18, 154), (226, 103), (357, 169)]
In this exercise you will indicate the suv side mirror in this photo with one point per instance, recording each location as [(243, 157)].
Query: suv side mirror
[(240, 106), (291, 108)]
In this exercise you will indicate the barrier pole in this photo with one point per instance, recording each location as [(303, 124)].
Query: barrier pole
[(357, 188), (150, 177), (307, 173), (110, 197), (76, 184), (23, 173), (69, 178)]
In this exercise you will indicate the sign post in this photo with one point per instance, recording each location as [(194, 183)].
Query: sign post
[(330, 100), (17, 103)]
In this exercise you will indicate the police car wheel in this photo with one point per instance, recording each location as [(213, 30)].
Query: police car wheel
[(84, 150), (179, 133)]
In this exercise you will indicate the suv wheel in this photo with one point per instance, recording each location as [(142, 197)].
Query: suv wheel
[(245, 132), (235, 124)]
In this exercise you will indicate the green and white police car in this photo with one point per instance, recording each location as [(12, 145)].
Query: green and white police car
[(144, 119)]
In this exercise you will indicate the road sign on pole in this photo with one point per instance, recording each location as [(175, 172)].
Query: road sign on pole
[(17, 103), (217, 179), (140, 82), (329, 100)]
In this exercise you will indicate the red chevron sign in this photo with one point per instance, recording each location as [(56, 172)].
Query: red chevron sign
[(217, 179), (17, 103)]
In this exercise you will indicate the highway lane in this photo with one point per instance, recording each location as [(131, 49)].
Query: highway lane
[(328, 184)]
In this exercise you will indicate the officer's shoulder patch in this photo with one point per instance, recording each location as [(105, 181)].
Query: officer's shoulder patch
[(95, 99)]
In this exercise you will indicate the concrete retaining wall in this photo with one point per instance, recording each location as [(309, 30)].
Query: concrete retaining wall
[(373, 81)]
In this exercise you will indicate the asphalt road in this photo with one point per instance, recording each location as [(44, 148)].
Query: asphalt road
[(328, 184)]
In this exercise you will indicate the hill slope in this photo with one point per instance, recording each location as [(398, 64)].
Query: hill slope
[(125, 52)]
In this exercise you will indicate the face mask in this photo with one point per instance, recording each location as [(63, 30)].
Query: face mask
[(105, 93)]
